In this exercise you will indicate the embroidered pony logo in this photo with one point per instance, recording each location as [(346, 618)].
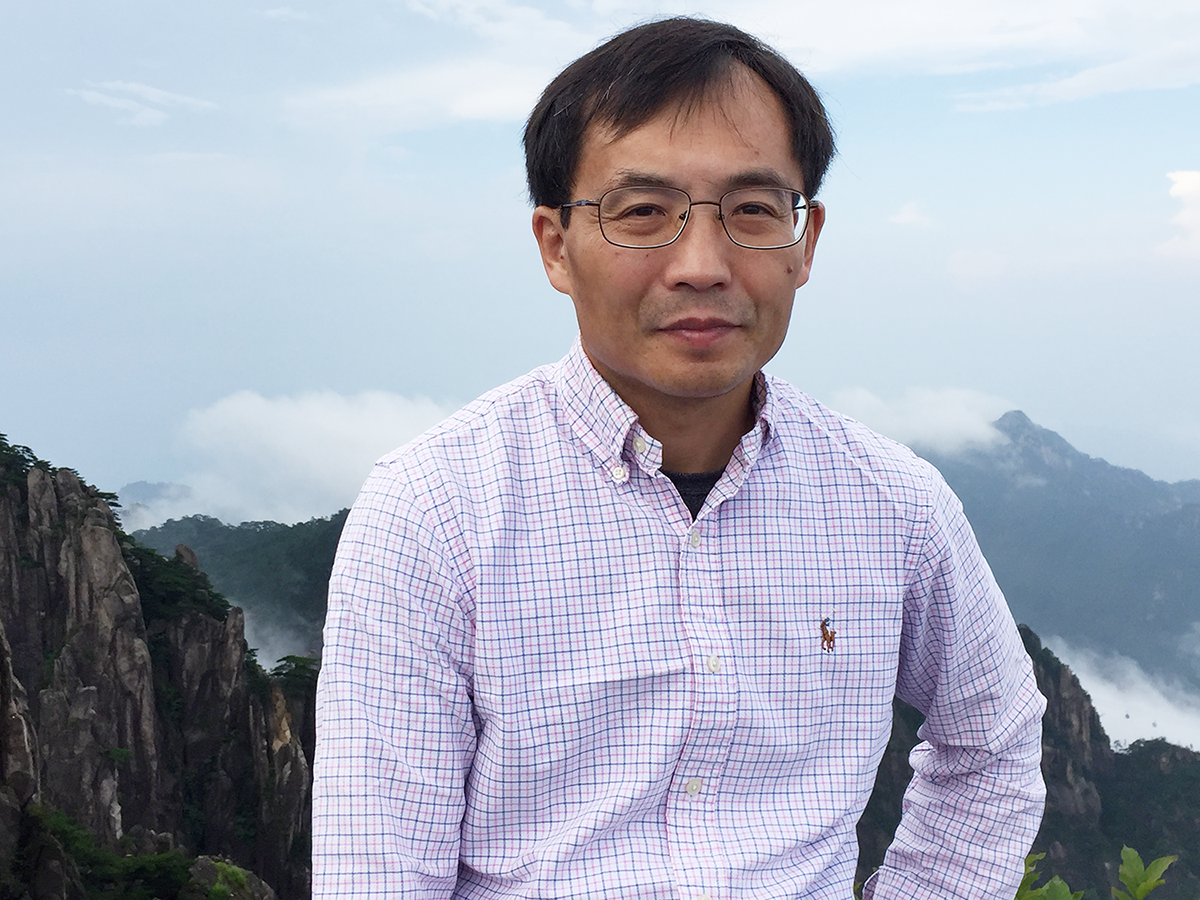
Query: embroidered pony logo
[(828, 635)]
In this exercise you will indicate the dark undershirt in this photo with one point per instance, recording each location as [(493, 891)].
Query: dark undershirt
[(694, 487)]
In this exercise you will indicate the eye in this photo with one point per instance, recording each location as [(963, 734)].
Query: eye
[(642, 211), (752, 209), (757, 203)]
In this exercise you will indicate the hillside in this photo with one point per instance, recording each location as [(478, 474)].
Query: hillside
[(278, 573), (1103, 556)]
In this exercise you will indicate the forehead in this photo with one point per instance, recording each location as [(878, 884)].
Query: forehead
[(735, 132)]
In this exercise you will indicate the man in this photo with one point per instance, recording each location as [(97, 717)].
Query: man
[(631, 626)]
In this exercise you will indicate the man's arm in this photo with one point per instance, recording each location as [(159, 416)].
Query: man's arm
[(976, 798), (395, 733)]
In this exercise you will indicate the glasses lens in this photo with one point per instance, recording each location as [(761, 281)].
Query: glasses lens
[(643, 216), (764, 217)]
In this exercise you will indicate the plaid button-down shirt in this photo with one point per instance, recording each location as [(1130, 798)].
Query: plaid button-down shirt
[(541, 678)]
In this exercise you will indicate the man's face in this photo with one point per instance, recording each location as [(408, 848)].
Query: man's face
[(698, 318)]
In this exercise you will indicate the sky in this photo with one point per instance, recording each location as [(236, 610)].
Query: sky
[(246, 249)]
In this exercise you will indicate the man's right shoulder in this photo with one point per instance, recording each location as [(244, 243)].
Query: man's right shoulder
[(510, 420)]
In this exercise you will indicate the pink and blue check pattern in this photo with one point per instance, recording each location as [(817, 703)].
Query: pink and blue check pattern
[(541, 678)]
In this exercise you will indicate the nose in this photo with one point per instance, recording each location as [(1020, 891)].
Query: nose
[(700, 255)]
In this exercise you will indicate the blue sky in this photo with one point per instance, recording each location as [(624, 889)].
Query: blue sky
[(249, 248)]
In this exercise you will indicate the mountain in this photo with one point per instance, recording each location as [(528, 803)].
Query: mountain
[(138, 737), (278, 573), (1102, 556)]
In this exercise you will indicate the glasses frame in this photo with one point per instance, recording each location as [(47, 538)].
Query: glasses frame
[(807, 206)]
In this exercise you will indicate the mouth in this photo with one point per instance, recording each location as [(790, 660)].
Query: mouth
[(699, 331)]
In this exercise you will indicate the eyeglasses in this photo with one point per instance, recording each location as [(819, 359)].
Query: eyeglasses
[(645, 217)]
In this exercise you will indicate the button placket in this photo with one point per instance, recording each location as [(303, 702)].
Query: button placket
[(698, 771)]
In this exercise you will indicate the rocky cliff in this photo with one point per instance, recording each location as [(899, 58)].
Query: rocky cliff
[(131, 709), (1096, 800)]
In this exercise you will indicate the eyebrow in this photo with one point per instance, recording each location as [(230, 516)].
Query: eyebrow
[(765, 177)]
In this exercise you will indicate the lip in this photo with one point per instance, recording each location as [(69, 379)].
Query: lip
[(699, 331)]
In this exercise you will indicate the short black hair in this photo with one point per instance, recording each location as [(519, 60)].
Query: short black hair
[(631, 78)]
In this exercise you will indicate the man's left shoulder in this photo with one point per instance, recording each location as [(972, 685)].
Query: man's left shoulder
[(830, 438)]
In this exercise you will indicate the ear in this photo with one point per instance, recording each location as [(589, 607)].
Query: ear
[(816, 221), (551, 237)]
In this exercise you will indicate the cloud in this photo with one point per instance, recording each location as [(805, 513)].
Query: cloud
[(910, 214), (141, 114), (287, 459), (286, 14), (945, 420), (462, 89), (501, 22), (1186, 187), (1133, 704), (1175, 65), (1089, 48), (154, 95)]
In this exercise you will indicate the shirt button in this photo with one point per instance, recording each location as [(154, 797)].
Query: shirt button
[(704, 897), (693, 786), (619, 474), (714, 664), (639, 445), (694, 538)]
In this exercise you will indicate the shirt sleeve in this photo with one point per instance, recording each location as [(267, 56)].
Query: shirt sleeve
[(976, 798), (395, 728)]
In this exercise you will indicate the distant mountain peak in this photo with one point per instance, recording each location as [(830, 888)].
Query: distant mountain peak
[(1047, 447)]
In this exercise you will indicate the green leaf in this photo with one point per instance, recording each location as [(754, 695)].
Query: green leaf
[(1056, 889), (1156, 868), (1025, 891), (1135, 876)]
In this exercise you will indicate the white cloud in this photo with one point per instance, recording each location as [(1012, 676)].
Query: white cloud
[(140, 114), (464, 89), (1132, 704), (1091, 48), (1186, 186), (1173, 65), (286, 14), (155, 95), (945, 420), (910, 214), (505, 23), (1117, 45), (288, 459)]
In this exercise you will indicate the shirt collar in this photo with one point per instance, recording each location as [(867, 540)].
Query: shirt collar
[(609, 428)]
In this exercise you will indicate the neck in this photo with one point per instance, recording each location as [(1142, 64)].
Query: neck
[(698, 434), (702, 441)]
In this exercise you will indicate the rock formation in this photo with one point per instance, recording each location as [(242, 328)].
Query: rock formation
[(136, 713)]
